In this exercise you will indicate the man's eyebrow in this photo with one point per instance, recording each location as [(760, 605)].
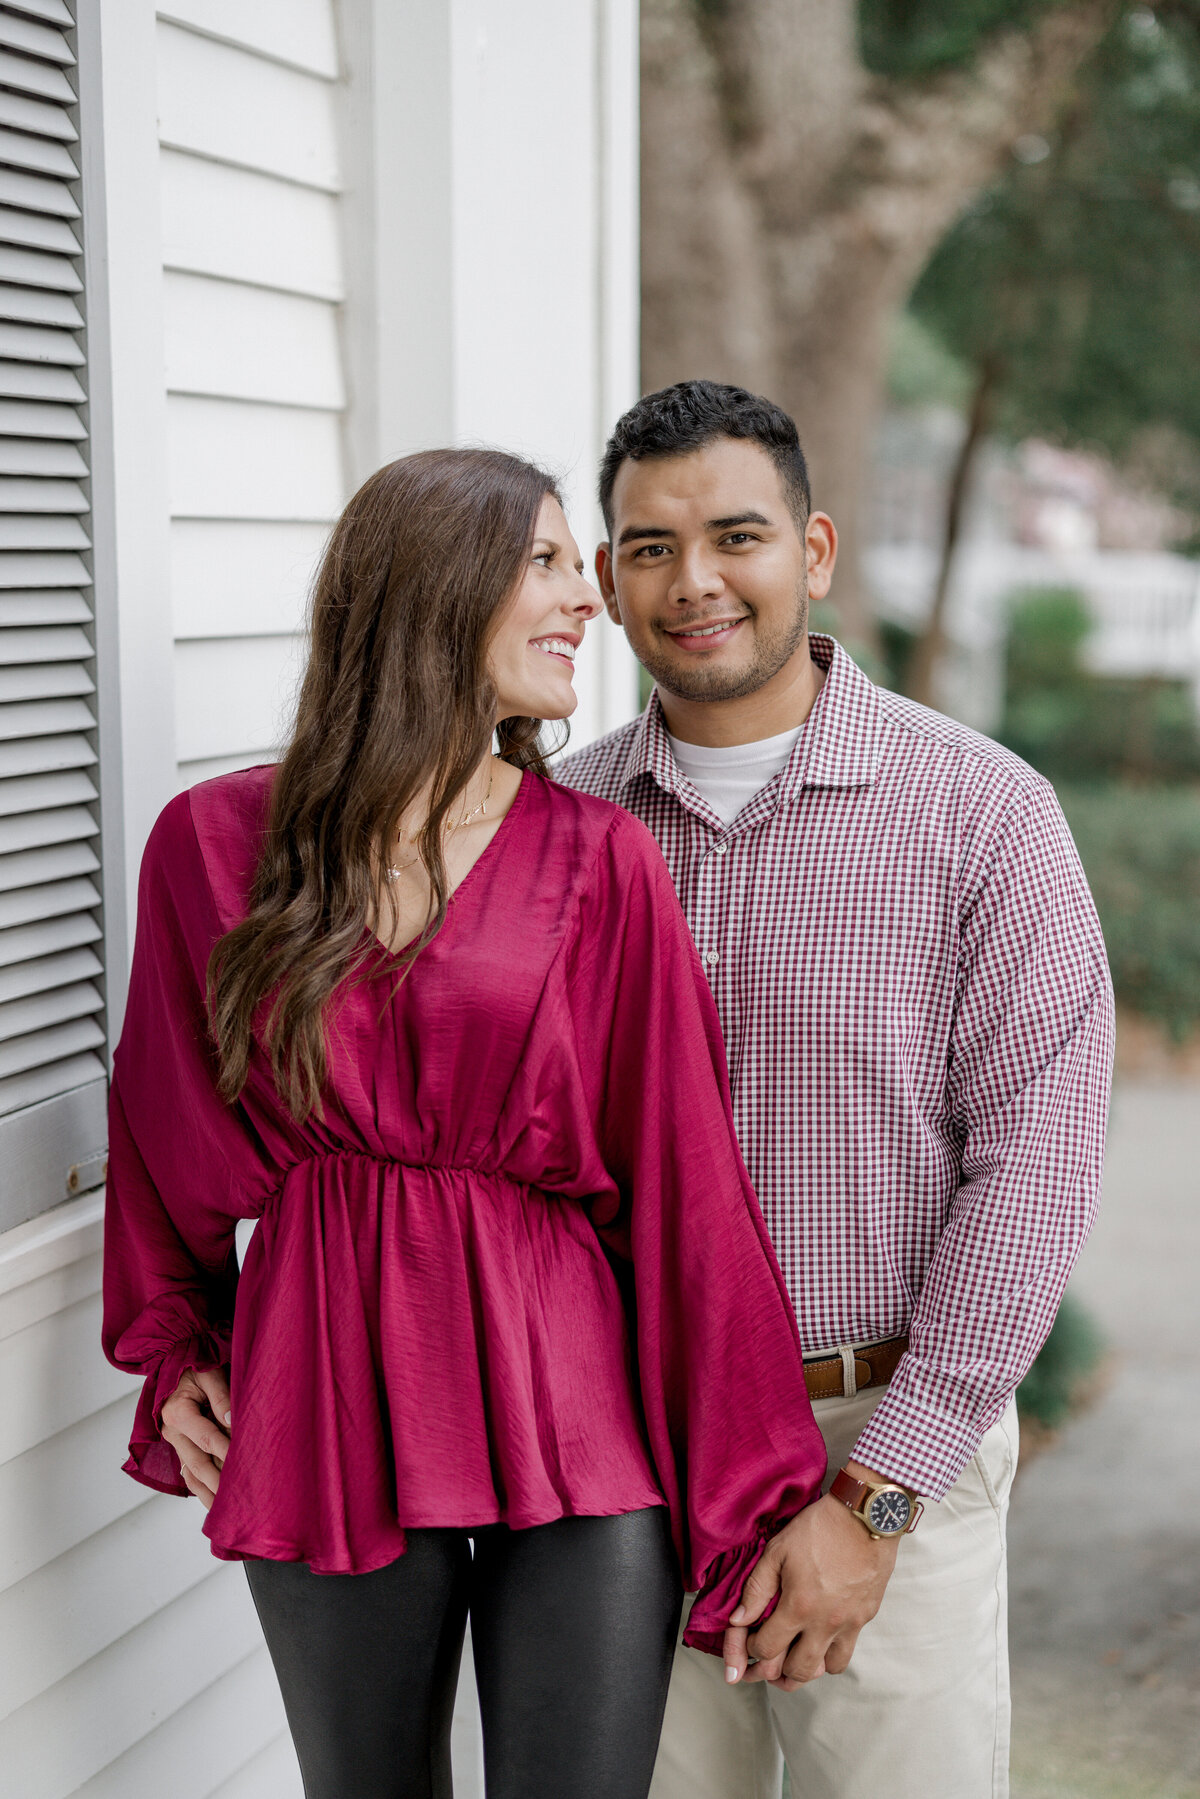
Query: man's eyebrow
[(739, 518), (632, 532)]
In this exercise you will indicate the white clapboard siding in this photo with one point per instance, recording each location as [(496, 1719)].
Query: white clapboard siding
[(236, 107), (189, 1754), (248, 343), (273, 1774), (54, 1376), (297, 32), (74, 1729), (51, 1011), (232, 222), (242, 578), (238, 460), (72, 1608), (234, 703), (64, 1490)]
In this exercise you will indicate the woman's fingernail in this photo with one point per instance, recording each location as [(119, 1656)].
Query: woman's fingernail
[(738, 1617), (731, 1673), (227, 1417)]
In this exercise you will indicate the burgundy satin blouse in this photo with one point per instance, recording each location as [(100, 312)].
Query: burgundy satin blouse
[(428, 1329)]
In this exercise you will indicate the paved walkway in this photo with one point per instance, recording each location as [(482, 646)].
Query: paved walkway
[(1105, 1535)]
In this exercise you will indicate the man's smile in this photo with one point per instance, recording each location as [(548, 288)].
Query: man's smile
[(707, 636)]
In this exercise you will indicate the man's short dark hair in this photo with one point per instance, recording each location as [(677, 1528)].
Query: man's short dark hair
[(693, 414)]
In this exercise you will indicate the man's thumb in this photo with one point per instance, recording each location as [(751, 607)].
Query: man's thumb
[(759, 1590)]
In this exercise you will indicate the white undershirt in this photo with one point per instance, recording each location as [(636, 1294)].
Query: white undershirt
[(729, 778)]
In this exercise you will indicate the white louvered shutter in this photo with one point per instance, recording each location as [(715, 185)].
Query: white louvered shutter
[(52, 1072)]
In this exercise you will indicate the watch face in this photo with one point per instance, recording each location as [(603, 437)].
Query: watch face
[(889, 1512)]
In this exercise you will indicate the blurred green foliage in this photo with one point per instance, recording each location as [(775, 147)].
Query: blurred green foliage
[(1071, 284), (1141, 849), (918, 37), (1125, 758), (1068, 1359), (1077, 726)]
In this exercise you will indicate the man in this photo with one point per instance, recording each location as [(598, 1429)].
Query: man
[(918, 1017)]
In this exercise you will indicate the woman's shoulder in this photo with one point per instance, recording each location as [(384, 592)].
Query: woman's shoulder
[(601, 824), (223, 820)]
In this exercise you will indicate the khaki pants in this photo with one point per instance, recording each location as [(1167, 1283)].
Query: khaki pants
[(922, 1712)]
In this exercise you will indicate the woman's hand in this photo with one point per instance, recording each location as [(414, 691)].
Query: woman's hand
[(195, 1422)]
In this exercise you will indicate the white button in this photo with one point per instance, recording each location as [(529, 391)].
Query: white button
[(719, 849), (711, 957)]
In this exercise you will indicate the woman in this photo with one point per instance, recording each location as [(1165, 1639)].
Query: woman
[(438, 1025)]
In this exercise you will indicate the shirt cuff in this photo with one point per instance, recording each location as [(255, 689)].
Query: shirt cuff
[(912, 1440), (151, 1458)]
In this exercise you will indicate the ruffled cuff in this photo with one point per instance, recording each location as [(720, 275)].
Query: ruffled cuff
[(151, 1459), (721, 1592)]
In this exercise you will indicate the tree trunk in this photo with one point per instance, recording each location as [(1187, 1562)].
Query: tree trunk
[(790, 200), (927, 653)]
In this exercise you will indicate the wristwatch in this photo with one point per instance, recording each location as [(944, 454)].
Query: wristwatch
[(883, 1511)]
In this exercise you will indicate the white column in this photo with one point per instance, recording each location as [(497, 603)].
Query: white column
[(491, 159)]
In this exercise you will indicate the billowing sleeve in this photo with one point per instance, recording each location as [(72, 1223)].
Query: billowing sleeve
[(728, 1418), (182, 1165)]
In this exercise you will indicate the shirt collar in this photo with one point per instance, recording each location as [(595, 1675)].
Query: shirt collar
[(838, 746)]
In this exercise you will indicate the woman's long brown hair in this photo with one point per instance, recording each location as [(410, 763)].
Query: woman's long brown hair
[(396, 699)]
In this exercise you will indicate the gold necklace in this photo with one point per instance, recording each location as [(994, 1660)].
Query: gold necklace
[(395, 869)]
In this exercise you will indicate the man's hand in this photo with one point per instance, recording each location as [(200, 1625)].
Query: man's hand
[(195, 1422), (830, 1575)]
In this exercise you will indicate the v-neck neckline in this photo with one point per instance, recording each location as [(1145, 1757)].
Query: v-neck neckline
[(390, 955)]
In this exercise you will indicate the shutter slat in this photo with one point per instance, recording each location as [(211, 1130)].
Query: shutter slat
[(29, 419), (46, 1083), (43, 608), (51, 1045), (35, 793), (44, 755), (37, 868), (26, 683), (24, 114), (38, 268), (50, 645), (37, 231), (63, 824), (44, 681), (56, 11), (46, 972), (30, 904), (35, 78), (47, 936), (35, 40), (36, 343), (39, 306), (28, 1016), (39, 381), (39, 456), (43, 718), (20, 570), (44, 155), (35, 193), (35, 531), (17, 495)]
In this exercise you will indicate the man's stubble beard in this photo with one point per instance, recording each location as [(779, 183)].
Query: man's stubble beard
[(718, 683)]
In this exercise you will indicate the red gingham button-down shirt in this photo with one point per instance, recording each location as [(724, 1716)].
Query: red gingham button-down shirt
[(918, 1017)]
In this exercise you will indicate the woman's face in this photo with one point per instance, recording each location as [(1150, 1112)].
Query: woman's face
[(533, 646)]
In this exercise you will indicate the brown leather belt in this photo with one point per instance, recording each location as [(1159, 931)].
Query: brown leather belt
[(874, 1365)]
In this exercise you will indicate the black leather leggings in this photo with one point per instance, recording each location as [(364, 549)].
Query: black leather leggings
[(573, 1628)]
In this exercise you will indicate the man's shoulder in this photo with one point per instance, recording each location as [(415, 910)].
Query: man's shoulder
[(599, 768), (955, 753)]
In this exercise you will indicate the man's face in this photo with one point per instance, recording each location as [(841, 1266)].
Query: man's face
[(707, 571)]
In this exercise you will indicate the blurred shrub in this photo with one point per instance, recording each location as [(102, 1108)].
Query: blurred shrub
[(1141, 849), (1065, 1369), (1076, 726)]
